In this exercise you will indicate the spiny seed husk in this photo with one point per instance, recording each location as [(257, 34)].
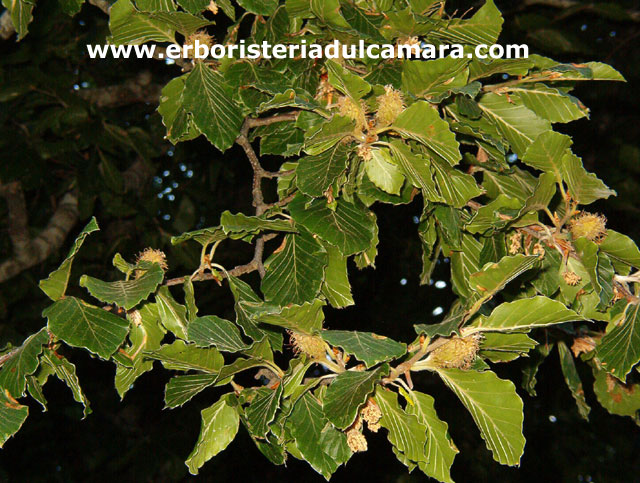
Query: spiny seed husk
[(590, 226), (154, 256), (311, 345), (457, 352), (353, 110), (390, 105)]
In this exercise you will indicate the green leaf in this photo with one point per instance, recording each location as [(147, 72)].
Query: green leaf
[(572, 379), (525, 314), (440, 450), (406, 432), (493, 277), (22, 363), (615, 397), (448, 326), (12, 416), (237, 366), (529, 371), (243, 293), (212, 330), (172, 315), (551, 104), (348, 392), (448, 223), (129, 26), (621, 248), (542, 195), (281, 139), (294, 274), (82, 325), (421, 122), (456, 187), (519, 125), (240, 223), (346, 82), (190, 299), (182, 22), (184, 357), (488, 219), (547, 153), (619, 349), (493, 250), (305, 318), (350, 227), (156, 5), (495, 407), (590, 71), (464, 263), (259, 7), (315, 174), (181, 389), (479, 68), (328, 134), (600, 269), (328, 12), (383, 172), (219, 427), (55, 285), (417, 168), (204, 236), (368, 347), (336, 287), (66, 372), (210, 100), (366, 25), (313, 433), (483, 28), (125, 293), (20, 12), (262, 410), (146, 334), (518, 184), (501, 342), (583, 186), (35, 391), (435, 77)]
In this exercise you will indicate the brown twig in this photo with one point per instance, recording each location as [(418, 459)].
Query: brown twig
[(252, 266), (259, 173)]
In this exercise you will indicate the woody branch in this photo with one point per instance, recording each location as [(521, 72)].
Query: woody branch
[(27, 251), (259, 173)]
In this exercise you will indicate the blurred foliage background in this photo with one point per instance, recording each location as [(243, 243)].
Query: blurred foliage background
[(58, 131)]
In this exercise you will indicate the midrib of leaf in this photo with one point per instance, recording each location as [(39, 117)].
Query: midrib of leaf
[(476, 410), (502, 121)]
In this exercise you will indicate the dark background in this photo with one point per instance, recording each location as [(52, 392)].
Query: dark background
[(49, 136)]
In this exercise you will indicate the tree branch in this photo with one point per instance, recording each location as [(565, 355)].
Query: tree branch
[(259, 173), (137, 176), (27, 251), (252, 266), (139, 89), (6, 25)]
